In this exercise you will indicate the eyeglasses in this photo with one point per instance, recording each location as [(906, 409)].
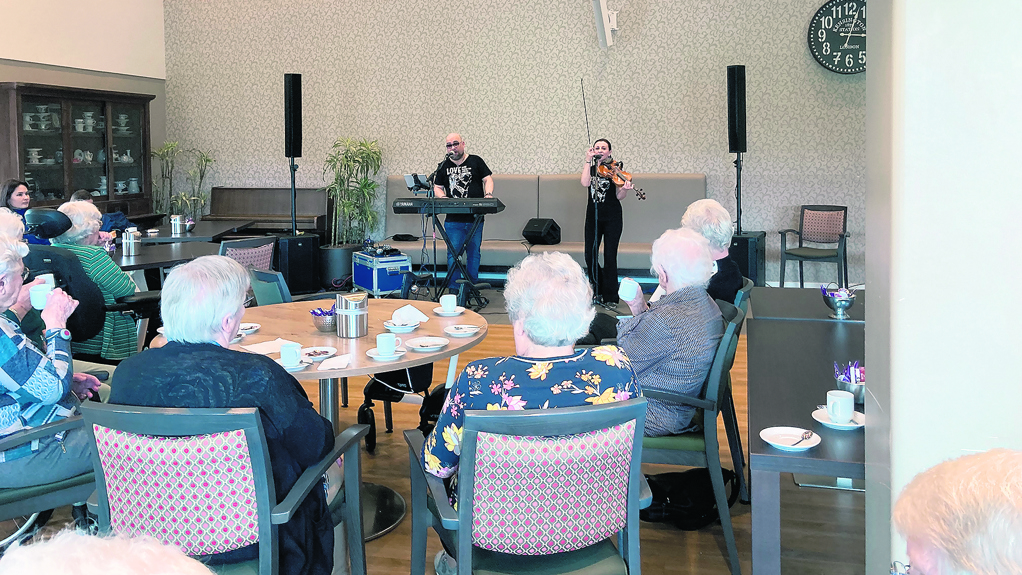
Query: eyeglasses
[(453, 144), (899, 568), (24, 274)]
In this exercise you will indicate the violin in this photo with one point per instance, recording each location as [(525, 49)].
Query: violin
[(614, 172)]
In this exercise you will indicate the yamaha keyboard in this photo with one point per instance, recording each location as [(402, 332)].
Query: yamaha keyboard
[(448, 206)]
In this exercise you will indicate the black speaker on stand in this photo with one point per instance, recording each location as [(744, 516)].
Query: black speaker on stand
[(297, 256), (748, 249)]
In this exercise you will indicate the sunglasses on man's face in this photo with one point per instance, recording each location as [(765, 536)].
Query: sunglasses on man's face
[(453, 144)]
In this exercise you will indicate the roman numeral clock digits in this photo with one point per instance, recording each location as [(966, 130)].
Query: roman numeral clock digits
[(837, 36)]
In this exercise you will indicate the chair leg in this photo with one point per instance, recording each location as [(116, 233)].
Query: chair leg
[(419, 512), (720, 495), (353, 509), (734, 442), (388, 417), (783, 264), (841, 276), (801, 276)]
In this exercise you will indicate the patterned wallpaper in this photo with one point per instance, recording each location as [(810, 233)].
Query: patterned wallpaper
[(505, 74)]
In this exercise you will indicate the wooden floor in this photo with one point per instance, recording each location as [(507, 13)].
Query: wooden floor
[(823, 530)]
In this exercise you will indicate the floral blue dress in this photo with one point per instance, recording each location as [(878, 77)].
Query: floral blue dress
[(587, 377)]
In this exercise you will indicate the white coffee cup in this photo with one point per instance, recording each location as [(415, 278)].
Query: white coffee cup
[(48, 279), (291, 354), (387, 344), (449, 302), (39, 294), (628, 289), (840, 406)]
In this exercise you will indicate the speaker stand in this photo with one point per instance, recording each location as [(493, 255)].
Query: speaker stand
[(738, 192), (294, 198)]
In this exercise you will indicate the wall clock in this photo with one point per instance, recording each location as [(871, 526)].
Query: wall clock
[(837, 36)]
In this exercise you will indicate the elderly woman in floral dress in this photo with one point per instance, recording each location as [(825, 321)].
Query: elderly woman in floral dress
[(550, 305)]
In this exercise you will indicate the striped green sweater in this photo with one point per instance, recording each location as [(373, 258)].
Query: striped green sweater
[(118, 339)]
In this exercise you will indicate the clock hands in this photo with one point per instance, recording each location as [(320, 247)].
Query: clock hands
[(851, 29)]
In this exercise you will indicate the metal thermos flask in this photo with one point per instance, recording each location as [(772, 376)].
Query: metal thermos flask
[(352, 313)]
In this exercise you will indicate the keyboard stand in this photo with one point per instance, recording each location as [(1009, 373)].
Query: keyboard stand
[(473, 292)]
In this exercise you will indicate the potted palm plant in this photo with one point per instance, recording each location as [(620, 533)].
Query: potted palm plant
[(350, 166)]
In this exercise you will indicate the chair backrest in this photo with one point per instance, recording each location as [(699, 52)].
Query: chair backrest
[(196, 478), (743, 295), (546, 481), (269, 287), (717, 379), (254, 253), (823, 224)]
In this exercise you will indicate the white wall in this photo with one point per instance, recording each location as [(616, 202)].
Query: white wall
[(118, 36), (943, 202)]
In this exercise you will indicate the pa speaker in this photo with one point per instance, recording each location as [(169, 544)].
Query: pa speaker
[(293, 115), (749, 252), (542, 231), (736, 108), (297, 259)]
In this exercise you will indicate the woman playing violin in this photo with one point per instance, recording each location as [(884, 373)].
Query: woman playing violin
[(603, 220)]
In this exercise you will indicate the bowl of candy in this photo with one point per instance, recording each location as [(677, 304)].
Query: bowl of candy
[(189, 225), (838, 301), (324, 319), (851, 378)]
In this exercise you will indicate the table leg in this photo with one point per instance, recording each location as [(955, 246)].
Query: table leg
[(766, 522), (328, 401), (452, 371)]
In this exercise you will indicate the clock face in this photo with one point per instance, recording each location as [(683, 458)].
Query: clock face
[(837, 36)]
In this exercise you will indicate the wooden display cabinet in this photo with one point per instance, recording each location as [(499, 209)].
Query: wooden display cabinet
[(60, 140)]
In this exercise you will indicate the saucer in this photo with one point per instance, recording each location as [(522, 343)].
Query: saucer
[(248, 328), (397, 328), (301, 365), (858, 420), (397, 353), (427, 344), (783, 438), (440, 311), (462, 330), (314, 354)]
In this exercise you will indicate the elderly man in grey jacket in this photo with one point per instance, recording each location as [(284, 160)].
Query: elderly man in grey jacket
[(671, 342)]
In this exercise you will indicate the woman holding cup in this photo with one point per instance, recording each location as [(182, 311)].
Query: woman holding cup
[(40, 387), (17, 199)]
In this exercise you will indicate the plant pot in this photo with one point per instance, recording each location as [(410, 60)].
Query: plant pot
[(335, 264)]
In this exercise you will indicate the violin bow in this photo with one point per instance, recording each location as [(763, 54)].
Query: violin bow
[(586, 110)]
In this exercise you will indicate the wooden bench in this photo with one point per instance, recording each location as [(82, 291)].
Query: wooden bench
[(270, 208)]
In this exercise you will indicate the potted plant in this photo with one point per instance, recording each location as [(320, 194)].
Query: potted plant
[(350, 167), (163, 193)]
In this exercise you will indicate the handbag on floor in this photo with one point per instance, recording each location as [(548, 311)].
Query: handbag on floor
[(686, 499)]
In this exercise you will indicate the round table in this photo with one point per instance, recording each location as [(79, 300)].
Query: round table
[(383, 508)]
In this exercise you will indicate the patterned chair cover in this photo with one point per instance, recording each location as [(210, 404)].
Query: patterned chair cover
[(823, 227), (195, 492), (260, 258), (545, 495)]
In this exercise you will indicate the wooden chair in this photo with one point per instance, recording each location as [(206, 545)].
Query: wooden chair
[(700, 448), (254, 253), (821, 225), (573, 482), (142, 454), (28, 502)]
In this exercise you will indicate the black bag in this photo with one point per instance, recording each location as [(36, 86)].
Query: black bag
[(686, 498)]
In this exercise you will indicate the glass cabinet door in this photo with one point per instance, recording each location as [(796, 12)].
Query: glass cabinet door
[(126, 148), (88, 148), (43, 143)]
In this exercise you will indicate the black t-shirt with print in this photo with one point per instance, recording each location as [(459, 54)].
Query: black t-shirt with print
[(464, 181), (603, 197)]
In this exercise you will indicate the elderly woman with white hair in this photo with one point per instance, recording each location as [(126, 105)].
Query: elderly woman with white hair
[(39, 386), (964, 516), (713, 222), (671, 342), (119, 338), (202, 304), (549, 302)]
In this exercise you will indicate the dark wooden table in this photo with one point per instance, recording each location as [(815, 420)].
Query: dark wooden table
[(154, 256), (205, 231), (800, 304), (791, 369)]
